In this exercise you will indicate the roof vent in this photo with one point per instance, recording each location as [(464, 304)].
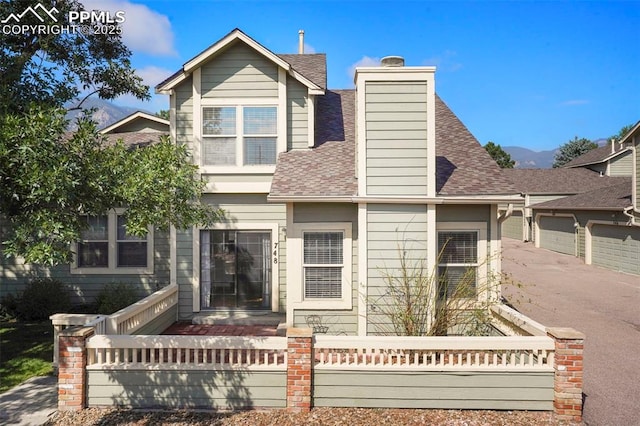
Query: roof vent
[(392, 61)]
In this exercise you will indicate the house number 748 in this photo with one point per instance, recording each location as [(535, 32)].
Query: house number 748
[(275, 253)]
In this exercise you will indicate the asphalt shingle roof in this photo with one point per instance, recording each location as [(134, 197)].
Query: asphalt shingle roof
[(463, 167), (594, 156), (312, 66), (328, 169), (616, 197), (559, 181)]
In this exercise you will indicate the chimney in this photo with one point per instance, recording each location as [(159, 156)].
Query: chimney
[(613, 145), (392, 61), (300, 42)]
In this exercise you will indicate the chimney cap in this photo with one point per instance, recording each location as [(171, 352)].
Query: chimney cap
[(392, 61)]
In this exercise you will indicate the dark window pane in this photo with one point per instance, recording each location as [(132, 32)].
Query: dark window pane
[(93, 255), (457, 281), (458, 247), (132, 254)]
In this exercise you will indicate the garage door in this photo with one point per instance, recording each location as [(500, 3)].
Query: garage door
[(512, 227), (558, 234), (616, 247)]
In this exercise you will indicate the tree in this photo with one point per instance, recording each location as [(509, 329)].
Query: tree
[(49, 179), (572, 149), (622, 133), (163, 113), (53, 67), (500, 155)]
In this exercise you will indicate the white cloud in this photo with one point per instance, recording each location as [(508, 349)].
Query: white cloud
[(144, 30), (445, 61), (574, 102), (365, 61), (309, 48)]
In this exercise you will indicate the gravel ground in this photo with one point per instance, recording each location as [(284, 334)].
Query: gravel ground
[(317, 416)]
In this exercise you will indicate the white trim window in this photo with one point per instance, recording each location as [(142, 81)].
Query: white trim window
[(106, 248), (323, 263), (239, 135), (321, 257), (461, 260)]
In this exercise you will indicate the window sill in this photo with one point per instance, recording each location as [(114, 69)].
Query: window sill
[(235, 170), (111, 271), (325, 304)]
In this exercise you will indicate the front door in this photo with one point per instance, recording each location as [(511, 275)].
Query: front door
[(235, 269)]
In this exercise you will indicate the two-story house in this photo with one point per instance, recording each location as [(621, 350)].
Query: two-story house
[(324, 189)]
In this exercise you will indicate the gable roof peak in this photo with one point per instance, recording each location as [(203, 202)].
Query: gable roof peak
[(211, 51)]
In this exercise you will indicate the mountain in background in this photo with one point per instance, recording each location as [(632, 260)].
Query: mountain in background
[(526, 158), (105, 114)]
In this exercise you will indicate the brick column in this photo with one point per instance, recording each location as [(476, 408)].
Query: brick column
[(568, 373), (72, 360), (299, 369)]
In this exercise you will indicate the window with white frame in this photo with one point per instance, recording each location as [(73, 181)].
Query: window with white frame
[(323, 264), (239, 135), (458, 263), (106, 247)]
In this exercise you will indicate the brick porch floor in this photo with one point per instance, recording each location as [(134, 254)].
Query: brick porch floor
[(188, 329)]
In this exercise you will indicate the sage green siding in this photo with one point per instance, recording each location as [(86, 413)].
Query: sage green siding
[(239, 72), (210, 389), (396, 138), (184, 112), (512, 226), (338, 321), (454, 390), (239, 208), (637, 176), (616, 247), (391, 230), (622, 165), (14, 275), (297, 115)]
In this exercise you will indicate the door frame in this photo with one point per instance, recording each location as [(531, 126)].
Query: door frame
[(243, 226)]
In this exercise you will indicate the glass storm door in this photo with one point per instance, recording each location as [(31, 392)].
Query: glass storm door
[(235, 269)]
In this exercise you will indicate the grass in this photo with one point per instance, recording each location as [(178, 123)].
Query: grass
[(26, 350)]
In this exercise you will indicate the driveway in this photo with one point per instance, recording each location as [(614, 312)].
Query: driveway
[(561, 291)]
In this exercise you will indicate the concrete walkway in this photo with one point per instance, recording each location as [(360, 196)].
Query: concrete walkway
[(560, 290), (30, 403)]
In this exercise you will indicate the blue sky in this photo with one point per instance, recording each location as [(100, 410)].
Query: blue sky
[(532, 74)]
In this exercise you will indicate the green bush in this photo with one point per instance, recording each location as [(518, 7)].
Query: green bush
[(114, 297), (41, 298)]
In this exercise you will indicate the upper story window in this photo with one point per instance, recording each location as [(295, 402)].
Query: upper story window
[(239, 135), (106, 247)]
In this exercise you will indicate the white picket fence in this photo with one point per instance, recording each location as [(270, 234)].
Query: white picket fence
[(186, 352)]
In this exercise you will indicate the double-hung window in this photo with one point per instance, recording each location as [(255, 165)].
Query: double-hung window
[(458, 263), (106, 247), (323, 265), (321, 256), (239, 135)]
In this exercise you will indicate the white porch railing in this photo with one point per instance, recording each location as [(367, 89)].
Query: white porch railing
[(511, 322), (186, 352), (133, 317), (531, 353), (125, 321)]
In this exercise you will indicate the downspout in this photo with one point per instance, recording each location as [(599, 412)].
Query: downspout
[(632, 217), (505, 215)]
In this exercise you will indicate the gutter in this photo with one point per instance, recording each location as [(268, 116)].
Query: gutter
[(395, 200), (505, 215)]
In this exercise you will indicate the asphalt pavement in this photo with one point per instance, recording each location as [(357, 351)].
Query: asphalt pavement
[(561, 291), (30, 403)]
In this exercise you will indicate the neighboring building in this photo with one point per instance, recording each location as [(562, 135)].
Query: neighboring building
[(542, 185), (322, 189), (613, 159)]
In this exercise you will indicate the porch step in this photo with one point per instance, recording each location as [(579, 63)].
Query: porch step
[(240, 318)]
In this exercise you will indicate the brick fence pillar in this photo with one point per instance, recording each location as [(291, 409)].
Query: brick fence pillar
[(72, 360), (568, 373), (299, 369)]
